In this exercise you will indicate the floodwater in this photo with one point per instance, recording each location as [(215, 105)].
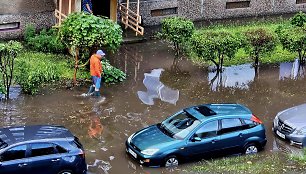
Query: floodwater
[(155, 88)]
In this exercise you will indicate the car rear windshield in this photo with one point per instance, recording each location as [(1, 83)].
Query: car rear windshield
[(76, 143)]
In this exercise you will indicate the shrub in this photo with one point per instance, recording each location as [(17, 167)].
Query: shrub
[(35, 69), (215, 45), (8, 53), (259, 41), (82, 31), (176, 30), (112, 74), (44, 41), (293, 39), (299, 19)]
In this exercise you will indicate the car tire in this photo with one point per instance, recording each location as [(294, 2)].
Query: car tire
[(171, 161), (66, 172), (251, 148)]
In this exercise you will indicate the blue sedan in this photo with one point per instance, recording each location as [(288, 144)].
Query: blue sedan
[(198, 132)]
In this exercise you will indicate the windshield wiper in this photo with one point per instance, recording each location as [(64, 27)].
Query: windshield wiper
[(163, 128)]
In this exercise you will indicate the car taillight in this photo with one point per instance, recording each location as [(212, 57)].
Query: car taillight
[(256, 119), (82, 154)]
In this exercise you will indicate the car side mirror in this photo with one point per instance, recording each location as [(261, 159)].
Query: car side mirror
[(194, 139)]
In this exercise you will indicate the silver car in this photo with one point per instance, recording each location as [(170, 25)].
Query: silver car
[(290, 125)]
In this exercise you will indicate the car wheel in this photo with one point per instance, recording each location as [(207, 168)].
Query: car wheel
[(66, 172), (171, 161), (250, 149)]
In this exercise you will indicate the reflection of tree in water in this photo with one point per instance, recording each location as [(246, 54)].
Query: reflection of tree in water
[(174, 77)]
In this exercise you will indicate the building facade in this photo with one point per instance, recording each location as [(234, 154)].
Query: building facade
[(16, 14)]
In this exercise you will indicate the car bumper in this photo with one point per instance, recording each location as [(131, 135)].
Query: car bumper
[(149, 161), (294, 139)]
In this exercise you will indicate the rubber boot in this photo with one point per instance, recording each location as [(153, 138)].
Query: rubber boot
[(91, 90), (97, 94)]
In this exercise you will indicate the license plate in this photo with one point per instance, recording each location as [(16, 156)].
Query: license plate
[(132, 153), (281, 134)]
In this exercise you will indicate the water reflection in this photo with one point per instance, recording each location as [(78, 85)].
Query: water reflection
[(291, 70), (235, 76), (156, 89)]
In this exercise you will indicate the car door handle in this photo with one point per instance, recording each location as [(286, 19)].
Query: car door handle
[(214, 141), (241, 135), (22, 165), (54, 160)]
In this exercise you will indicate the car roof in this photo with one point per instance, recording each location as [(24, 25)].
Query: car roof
[(13, 135), (202, 112)]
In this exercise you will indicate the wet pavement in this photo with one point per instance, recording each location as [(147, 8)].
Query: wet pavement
[(155, 88)]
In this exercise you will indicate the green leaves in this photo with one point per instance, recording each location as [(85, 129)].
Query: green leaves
[(35, 69), (111, 74), (83, 31), (8, 53), (44, 41), (299, 19), (215, 45), (176, 30), (293, 38), (260, 41)]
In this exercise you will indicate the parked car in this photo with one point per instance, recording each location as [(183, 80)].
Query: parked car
[(40, 149), (198, 132), (290, 125)]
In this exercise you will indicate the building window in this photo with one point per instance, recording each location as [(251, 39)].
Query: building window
[(9, 26), (239, 4), (164, 12), (300, 1)]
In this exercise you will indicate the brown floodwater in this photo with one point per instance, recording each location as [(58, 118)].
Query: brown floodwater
[(155, 88)]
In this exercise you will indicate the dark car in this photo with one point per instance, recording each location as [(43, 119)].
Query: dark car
[(290, 125), (198, 132), (40, 149)]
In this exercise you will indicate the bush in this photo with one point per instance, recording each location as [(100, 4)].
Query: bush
[(112, 74), (176, 30), (45, 41), (35, 69), (215, 46), (299, 19), (259, 41)]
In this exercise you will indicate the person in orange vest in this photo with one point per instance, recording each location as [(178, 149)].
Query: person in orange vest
[(96, 72)]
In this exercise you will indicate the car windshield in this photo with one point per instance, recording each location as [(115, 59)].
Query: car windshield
[(179, 125), (3, 144)]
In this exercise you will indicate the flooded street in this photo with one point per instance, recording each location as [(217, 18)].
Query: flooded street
[(155, 88)]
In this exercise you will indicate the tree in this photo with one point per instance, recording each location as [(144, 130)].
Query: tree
[(215, 46), (299, 19), (8, 53), (259, 41), (82, 31), (293, 38), (176, 30)]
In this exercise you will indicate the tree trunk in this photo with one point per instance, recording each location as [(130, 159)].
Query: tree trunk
[(76, 65), (217, 65)]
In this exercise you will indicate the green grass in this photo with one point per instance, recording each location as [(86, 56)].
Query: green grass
[(64, 63), (272, 163)]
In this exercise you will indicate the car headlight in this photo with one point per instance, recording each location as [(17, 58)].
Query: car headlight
[(301, 131), (130, 137), (276, 120), (149, 151)]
